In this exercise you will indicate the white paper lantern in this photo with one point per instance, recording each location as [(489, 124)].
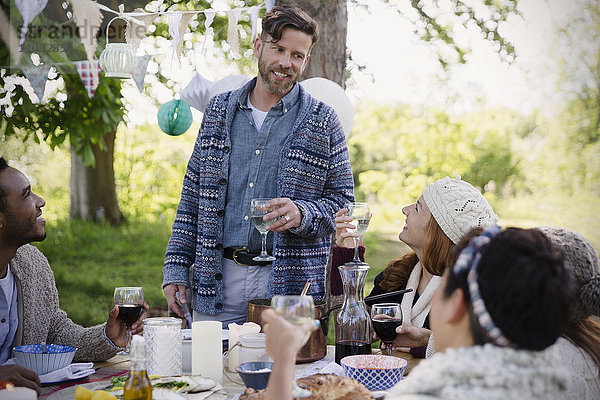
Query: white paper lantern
[(117, 59)]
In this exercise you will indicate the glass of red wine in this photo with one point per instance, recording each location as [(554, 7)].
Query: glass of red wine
[(386, 317), (130, 301)]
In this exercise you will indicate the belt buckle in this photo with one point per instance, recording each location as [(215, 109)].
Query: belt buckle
[(234, 258)]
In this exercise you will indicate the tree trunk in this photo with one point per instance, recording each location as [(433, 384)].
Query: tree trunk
[(328, 57), (93, 190)]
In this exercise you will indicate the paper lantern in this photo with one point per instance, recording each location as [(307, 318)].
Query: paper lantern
[(174, 117), (117, 59)]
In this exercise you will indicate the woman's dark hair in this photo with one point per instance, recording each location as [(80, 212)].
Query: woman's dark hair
[(282, 17), (524, 285), (436, 255)]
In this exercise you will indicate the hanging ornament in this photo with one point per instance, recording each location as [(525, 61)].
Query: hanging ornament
[(117, 59), (175, 117)]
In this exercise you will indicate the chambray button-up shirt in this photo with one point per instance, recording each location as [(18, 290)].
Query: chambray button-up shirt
[(254, 162)]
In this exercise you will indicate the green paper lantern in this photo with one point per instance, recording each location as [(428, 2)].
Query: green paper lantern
[(174, 117)]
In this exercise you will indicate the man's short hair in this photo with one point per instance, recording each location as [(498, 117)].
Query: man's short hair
[(3, 166), (282, 17)]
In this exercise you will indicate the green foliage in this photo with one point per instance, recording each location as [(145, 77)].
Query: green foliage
[(438, 24), (396, 151), (150, 171), (90, 260)]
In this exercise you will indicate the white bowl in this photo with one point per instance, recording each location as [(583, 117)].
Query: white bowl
[(32, 357)]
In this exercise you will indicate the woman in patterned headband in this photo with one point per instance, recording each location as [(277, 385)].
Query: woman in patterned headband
[(505, 299)]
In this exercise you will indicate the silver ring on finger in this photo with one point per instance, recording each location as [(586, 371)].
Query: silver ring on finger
[(287, 218)]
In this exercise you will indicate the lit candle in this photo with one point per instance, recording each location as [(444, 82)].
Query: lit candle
[(163, 346), (207, 349)]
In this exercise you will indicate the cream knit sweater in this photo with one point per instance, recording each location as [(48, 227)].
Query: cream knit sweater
[(41, 319)]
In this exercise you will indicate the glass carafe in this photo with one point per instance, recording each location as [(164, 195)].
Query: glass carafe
[(353, 330)]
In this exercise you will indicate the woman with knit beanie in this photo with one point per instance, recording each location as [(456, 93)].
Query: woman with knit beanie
[(504, 301), (579, 346), (443, 214)]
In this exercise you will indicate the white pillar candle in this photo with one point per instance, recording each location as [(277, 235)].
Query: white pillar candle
[(207, 350), (235, 331)]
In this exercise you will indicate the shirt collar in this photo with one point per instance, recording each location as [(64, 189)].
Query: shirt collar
[(286, 103)]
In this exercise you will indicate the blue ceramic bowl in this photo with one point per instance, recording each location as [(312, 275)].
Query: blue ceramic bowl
[(375, 371), (56, 357), (254, 373)]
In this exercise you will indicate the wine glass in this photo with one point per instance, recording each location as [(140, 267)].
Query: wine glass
[(258, 209), (297, 310), (386, 317), (130, 301), (361, 215)]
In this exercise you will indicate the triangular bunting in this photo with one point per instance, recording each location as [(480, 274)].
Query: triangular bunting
[(84, 70), (9, 35), (210, 17), (138, 32), (183, 24), (139, 71), (87, 17), (232, 32), (29, 9), (254, 21), (37, 75)]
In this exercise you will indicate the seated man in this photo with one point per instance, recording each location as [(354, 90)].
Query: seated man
[(29, 311)]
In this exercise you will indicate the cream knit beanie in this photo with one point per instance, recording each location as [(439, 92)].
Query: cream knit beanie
[(582, 261), (458, 207)]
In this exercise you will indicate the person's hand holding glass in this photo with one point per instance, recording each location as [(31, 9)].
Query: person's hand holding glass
[(299, 311), (130, 302), (386, 317), (352, 224), (258, 209)]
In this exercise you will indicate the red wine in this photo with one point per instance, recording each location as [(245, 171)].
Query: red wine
[(385, 327), (350, 348), (129, 313)]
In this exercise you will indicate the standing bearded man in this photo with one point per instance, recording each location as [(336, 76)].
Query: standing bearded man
[(268, 139)]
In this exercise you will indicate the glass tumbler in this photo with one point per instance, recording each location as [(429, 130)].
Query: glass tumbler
[(163, 346)]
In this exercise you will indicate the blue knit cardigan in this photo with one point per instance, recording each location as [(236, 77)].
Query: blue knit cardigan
[(314, 171)]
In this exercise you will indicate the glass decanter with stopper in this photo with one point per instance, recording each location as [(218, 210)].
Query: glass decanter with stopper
[(138, 386), (353, 329)]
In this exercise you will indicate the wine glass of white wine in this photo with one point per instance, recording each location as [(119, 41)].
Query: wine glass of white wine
[(361, 216), (297, 310), (258, 209)]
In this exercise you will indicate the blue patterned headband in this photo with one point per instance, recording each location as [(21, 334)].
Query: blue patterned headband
[(468, 260)]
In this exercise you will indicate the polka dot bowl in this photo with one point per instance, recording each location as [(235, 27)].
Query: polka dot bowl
[(33, 357), (375, 371)]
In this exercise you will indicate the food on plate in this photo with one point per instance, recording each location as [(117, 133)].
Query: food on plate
[(323, 387), (82, 393), (162, 385)]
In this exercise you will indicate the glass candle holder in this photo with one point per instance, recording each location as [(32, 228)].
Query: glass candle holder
[(163, 346)]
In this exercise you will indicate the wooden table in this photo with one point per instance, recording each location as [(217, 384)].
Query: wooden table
[(232, 383)]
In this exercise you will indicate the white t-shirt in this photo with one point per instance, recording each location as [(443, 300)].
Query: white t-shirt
[(258, 115)]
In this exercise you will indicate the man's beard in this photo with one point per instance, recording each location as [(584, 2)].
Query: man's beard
[(22, 233), (273, 86)]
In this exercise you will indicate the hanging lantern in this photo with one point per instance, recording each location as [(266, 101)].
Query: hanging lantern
[(117, 59), (174, 117)]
